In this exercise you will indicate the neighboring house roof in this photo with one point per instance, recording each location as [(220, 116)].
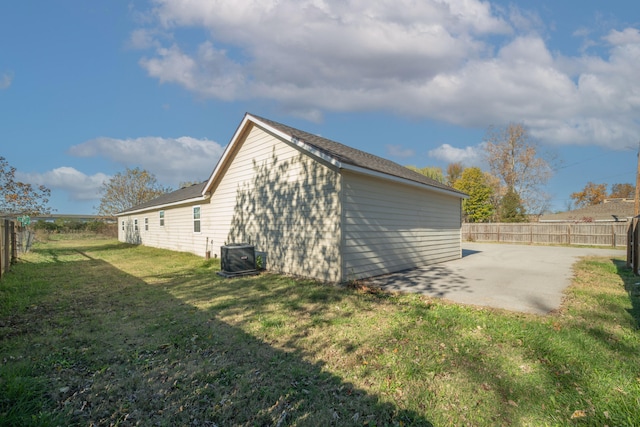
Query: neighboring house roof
[(192, 193), (333, 152), (610, 210)]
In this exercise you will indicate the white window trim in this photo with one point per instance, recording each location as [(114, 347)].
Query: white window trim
[(199, 219)]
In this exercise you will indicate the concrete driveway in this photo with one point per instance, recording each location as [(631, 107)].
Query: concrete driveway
[(529, 279)]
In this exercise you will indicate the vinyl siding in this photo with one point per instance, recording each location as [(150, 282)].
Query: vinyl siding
[(390, 226), (282, 201), (177, 233)]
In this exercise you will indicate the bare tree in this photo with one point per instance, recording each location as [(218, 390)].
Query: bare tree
[(19, 198), (515, 159), (623, 191), (128, 189), (454, 172)]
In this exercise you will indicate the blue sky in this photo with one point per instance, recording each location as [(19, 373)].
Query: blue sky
[(90, 88)]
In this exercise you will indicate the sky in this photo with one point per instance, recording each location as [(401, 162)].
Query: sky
[(90, 88)]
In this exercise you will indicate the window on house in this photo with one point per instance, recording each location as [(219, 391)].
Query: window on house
[(161, 218), (146, 224), (122, 225), (135, 224), (196, 219)]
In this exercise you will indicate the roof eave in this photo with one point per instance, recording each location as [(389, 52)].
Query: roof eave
[(398, 179), (165, 205)]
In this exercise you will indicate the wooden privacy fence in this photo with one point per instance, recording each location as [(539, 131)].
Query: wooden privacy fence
[(8, 248), (610, 234)]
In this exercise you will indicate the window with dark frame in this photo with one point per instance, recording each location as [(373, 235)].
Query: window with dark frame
[(146, 224)]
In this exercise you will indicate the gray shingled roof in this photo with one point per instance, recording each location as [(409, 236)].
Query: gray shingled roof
[(354, 157), (184, 193), (608, 211)]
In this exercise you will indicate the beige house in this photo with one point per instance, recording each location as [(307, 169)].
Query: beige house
[(316, 207)]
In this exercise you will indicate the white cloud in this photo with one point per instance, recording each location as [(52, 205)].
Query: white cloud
[(143, 39), (5, 80), (627, 36), (399, 151), (210, 72), (469, 156), (294, 51), (465, 62), (172, 161), (79, 186)]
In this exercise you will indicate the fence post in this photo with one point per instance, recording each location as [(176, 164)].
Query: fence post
[(6, 253), (2, 245), (636, 246), (531, 234), (630, 243), (14, 242)]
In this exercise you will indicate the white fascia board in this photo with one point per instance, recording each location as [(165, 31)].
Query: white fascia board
[(225, 154), (365, 171), (166, 205), (299, 143), (236, 136)]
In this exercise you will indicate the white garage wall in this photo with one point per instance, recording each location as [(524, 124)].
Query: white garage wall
[(390, 226)]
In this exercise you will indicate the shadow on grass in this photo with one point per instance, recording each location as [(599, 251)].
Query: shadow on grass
[(110, 348), (56, 252)]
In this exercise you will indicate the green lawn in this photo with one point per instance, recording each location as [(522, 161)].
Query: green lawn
[(96, 332)]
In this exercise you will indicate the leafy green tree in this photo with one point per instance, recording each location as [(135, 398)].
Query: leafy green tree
[(128, 189), (478, 207), (432, 172), (19, 198), (511, 208)]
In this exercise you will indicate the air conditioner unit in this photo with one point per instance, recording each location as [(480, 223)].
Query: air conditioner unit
[(237, 259)]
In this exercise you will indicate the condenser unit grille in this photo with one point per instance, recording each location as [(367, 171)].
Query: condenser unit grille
[(237, 258)]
